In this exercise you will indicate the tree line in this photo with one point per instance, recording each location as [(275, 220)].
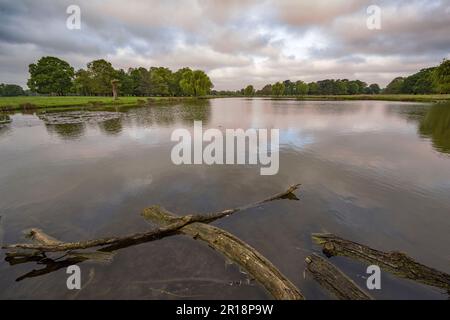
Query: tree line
[(323, 87), (53, 76), (426, 81)]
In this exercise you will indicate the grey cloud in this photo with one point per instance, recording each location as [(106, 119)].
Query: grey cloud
[(237, 41)]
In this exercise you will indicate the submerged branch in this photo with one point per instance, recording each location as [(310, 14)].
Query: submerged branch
[(51, 245), (394, 262), (236, 250), (332, 279)]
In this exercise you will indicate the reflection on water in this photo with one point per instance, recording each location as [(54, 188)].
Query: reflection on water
[(368, 173), (68, 130), (112, 127), (436, 125), (4, 119)]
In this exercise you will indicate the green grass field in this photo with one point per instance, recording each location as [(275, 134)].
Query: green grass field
[(31, 102), (14, 103)]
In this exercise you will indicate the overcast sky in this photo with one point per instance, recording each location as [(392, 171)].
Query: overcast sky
[(237, 42)]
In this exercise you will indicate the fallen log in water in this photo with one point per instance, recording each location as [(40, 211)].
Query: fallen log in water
[(151, 235), (234, 249), (332, 279), (394, 262), (195, 225)]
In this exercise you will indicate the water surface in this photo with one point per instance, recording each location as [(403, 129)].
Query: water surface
[(373, 172)]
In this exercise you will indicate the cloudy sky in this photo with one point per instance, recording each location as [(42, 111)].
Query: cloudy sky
[(237, 42)]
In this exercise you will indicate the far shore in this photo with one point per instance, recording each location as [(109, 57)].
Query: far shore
[(75, 102)]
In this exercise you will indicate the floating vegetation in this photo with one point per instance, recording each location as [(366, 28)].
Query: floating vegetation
[(74, 117), (4, 119)]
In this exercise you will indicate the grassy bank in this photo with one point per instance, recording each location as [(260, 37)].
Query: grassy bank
[(68, 103), (29, 103)]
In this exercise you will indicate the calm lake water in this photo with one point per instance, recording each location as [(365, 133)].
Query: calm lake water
[(372, 172)]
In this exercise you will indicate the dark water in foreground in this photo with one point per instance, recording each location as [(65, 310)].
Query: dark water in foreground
[(372, 172)]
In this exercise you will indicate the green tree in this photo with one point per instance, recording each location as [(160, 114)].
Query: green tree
[(361, 86), (441, 77), (313, 88), (340, 87), (326, 87), (160, 79), (203, 84), (102, 73), (125, 83), (395, 86), (195, 83), (249, 91), (374, 88), (420, 82), (83, 83), (50, 75), (301, 88), (11, 90), (140, 82), (266, 90), (352, 87), (289, 88), (175, 80), (278, 89)]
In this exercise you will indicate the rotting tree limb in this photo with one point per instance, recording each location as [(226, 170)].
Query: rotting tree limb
[(142, 236), (394, 262), (151, 235), (332, 279), (255, 264), (236, 250)]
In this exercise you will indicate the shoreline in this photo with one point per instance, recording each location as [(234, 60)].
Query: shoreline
[(75, 102), (30, 103)]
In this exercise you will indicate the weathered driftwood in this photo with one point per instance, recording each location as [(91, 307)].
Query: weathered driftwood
[(332, 279), (234, 249), (41, 237), (277, 284), (394, 262), (142, 236), (147, 236)]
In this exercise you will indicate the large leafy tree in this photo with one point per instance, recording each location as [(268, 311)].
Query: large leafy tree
[(374, 89), (441, 77), (141, 82), (301, 88), (249, 91), (50, 75), (395, 86), (160, 79), (266, 90), (313, 88), (340, 87), (352, 87), (101, 73), (420, 82), (195, 83), (83, 83), (278, 89), (289, 88), (125, 83), (175, 82)]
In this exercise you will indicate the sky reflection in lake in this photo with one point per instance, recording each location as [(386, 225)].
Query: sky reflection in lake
[(373, 172)]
